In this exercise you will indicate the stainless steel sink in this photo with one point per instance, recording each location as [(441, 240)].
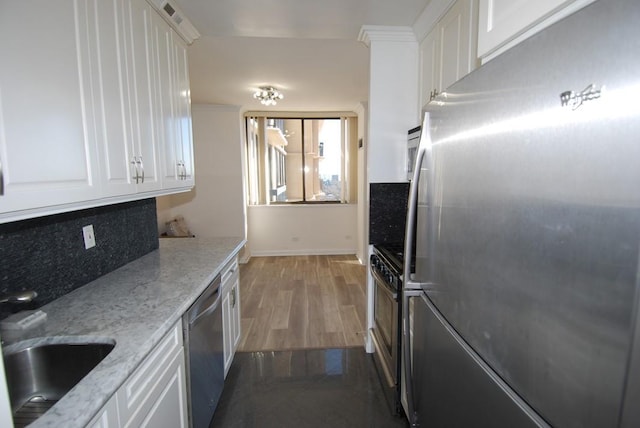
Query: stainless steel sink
[(38, 376)]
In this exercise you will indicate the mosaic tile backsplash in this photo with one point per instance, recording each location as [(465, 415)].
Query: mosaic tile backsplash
[(387, 212), (47, 254)]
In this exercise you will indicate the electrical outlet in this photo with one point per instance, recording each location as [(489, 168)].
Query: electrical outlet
[(89, 237)]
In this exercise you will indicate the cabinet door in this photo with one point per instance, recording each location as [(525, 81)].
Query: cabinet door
[(111, 95), (457, 53), (183, 112), (47, 137), (235, 311), (139, 396), (227, 331), (141, 81), (449, 51), (173, 107), (107, 417), (230, 311), (430, 66), (170, 409), (501, 20), (165, 106)]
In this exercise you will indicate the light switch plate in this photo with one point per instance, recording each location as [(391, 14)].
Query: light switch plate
[(89, 237)]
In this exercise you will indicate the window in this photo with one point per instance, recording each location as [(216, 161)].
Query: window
[(299, 160)]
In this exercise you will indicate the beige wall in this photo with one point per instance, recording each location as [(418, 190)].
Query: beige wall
[(216, 206), (302, 229)]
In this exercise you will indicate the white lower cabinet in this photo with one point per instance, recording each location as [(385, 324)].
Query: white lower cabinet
[(108, 416), (230, 312), (155, 395), (168, 399)]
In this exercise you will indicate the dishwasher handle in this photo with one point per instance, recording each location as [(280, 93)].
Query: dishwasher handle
[(207, 303), (196, 316)]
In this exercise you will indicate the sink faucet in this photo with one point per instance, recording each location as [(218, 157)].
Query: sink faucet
[(19, 297)]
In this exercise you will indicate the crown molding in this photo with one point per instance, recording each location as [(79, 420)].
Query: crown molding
[(378, 33)]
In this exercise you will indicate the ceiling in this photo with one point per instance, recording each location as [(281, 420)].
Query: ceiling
[(308, 49)]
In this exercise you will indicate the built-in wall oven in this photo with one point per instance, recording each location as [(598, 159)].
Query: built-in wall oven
[(386, 271)]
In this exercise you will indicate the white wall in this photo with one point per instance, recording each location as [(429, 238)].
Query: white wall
[(216, 206), (302, 229)]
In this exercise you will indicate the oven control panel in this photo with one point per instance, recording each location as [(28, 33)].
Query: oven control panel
[(385, 272)]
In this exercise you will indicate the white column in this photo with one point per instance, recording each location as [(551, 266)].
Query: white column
[(393, 99)]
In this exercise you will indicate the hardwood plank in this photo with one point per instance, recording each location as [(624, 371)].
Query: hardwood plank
[(330, 311), (282, 308), (246, 324), (298, 317), (354, 330), (316, 327), (256, 336)]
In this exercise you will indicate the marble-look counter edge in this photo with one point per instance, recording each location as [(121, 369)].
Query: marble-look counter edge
[(135, 305)]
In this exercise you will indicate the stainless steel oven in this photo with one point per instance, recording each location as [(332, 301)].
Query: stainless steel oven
[(387, 282)]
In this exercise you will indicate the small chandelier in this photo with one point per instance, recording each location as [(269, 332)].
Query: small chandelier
[(268, 96)]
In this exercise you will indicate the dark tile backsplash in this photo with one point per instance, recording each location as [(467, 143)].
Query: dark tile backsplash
[(387, 212), (47, 254)]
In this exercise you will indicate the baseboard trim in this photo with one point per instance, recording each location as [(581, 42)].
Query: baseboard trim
[(327, 252)]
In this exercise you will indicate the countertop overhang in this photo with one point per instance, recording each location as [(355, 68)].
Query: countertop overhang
[(135, 305)]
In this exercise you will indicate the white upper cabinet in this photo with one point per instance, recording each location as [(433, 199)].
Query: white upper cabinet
[(183, 114), (143, 150), (503, 23), (174, 108), (94, 96), (47, 137), (114, 134), (448, 52), (430, 67)]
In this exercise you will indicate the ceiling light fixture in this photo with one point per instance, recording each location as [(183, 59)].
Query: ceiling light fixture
[(268, 96)]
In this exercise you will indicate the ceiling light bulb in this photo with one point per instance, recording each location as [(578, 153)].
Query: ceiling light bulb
[(268, 95)]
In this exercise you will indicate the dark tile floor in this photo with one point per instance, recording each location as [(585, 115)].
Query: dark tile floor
[(311, 388)]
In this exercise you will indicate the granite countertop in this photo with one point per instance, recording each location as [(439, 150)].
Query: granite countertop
[(135, 306)]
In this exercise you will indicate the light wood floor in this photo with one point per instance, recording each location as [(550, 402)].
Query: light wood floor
[(302, 302)]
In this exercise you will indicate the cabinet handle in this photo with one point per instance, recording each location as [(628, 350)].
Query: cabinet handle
[(141, 167), (233, 297), (184, 170), (180, 171), (134, 162)]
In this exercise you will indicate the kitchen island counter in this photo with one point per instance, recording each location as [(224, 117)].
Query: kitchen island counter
[(135, 306)]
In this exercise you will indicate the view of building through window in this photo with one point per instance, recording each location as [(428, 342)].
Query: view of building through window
[(294, 160), (330, 156)]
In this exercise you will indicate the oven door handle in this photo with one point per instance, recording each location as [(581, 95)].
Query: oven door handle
[(379, 279)]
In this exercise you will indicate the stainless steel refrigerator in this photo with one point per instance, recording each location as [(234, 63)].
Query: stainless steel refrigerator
[(526, 208)]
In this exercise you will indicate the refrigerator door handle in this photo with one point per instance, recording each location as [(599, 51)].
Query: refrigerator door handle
[(409, 285)]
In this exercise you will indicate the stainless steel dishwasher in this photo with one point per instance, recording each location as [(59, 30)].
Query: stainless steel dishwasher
[(204, 342)]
